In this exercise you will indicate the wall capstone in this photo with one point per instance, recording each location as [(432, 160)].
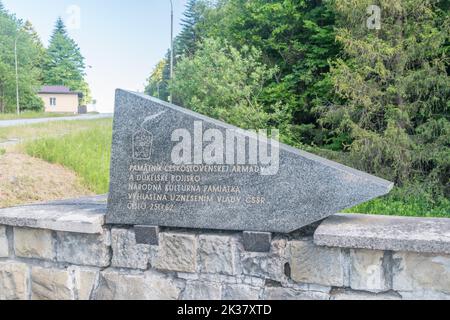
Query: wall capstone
[(64, 250)]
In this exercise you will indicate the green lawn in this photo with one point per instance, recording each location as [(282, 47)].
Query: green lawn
[(87, 151), (32, 115)]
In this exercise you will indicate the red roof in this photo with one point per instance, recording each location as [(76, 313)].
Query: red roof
[(57, 89)]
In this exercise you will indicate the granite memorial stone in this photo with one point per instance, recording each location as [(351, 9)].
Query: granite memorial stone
[(172, 167)]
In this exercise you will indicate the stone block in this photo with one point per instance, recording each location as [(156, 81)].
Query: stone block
[(4, 248), (84, 249), (415, 272), (279, 293), (266, 266), (82, 215), (14, 279), (177, 252), (318, 265), (218, 254), (196, 290), (385, 233), (367, 271), (152, 285), (85, 281), (51, 284), (33, 243), (240, 292), (126, 253)]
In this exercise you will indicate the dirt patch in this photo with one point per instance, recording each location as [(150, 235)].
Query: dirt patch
[(25, 180)]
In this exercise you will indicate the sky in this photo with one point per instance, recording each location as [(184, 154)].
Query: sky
[(121, 40)]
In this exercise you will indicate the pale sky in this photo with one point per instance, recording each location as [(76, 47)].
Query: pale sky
[(121, 40)]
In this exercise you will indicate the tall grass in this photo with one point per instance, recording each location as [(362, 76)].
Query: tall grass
[(87, 153)]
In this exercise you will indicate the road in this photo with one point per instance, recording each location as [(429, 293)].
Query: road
[(22, 122)]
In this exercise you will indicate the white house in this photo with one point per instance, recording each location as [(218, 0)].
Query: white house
[(60, 99)]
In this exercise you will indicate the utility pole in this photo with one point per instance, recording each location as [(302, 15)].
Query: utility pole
[(171, 47), (17, 78)]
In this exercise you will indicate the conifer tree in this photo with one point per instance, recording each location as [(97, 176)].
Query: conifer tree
[(65, 63), (41, 57), (189, 37), (394, 88)]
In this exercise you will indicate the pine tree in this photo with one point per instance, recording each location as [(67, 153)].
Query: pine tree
[(65, 63), (28, 28), (187, 40), (37, 43), (394, 88)]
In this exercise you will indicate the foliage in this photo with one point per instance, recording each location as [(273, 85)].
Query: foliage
[(61, 64), (29, 57), (185, 45), (401, 202), (65, 63), (227, 84), (395, 89), (295, 36), (158, 82), (372, 99)]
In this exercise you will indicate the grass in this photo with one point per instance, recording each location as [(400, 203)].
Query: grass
[(48, 130), (32, 115), (87, 152), (85, 147), (2, 151), (396, 205)]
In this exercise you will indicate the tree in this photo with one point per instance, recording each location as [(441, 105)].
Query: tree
[(225, 83), (296, 36), (157, 83), (39, 47), (12, 30), (192, 22), (394, 88), (185, 45), (65, 64)]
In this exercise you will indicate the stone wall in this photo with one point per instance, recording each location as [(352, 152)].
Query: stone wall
[(64, 251)]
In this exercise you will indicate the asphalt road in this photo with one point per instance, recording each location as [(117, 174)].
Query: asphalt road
[(22, 122)]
